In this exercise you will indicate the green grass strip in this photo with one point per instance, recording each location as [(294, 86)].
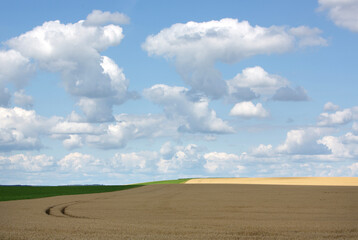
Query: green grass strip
[(8, 193)]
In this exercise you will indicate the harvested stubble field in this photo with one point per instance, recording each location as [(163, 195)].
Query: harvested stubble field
[(188, 211)]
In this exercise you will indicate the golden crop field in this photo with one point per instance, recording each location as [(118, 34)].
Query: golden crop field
[(189, 211)]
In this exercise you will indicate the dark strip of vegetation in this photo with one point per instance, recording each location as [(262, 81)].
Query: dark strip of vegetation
[(8, 193)]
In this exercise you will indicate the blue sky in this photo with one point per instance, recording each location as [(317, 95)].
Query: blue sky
[(117, 92)]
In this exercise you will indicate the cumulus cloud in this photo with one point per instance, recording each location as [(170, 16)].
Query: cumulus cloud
[(345, 146), (257, 81), (15, 68), (23, 100), (196, 47), (74, 141), (304, 141), (217, 162), (263, 151), (193, 110), (78, 162), (249, 110), (5, 97), (290, 94), (97, 17), (308, 36), (20, 129), (342, 13), (355, 127), (73, 50), (138, 162), (354, 169), (26, 163), (339, 117), (330, 107), (130, 127), (179, 158), (69, 127)]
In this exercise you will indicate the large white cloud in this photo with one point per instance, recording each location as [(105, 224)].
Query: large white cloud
[(345, 146), (4, 97), (20, 129), (74, 51), (74, 141), (26, 163), (257, 80), (339, 117), (79, 162), (179, 158), (193, 110), (15, 69), (218, 162), (342, 12), (197, 46), (130, 127), (249, 110), (304, 141), (23, 100), (135, 161)]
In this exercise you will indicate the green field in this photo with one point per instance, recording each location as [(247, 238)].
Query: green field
[(28, 192)]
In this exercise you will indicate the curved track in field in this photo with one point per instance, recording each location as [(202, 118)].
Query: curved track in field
[(60, 210)]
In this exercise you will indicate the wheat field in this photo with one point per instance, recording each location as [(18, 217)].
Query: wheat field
[(189, 211)]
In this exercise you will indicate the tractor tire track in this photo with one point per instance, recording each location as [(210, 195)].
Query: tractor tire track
[(59, 210)]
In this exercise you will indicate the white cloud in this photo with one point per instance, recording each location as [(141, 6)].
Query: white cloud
[(290, 94), (26, 162), (222, 162), (134, 162), (12, 139), (4, 97), (97, 17), (338, 118), (249, 110), (74, 51), (334, 144), (304, 141), (342, 12), (129, 127), (308, 36), (68, 127), (330, 107), (354, 169), (97, 109), (23, 100), (20, 129), (79, 162), (355, 127), (193, 110), (197, 46), (75, 141), (179, 158), (345, 146), (15, 68), (257, 80), (263, 151)]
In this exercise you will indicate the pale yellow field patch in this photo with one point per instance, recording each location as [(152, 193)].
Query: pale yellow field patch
[(307, 181)]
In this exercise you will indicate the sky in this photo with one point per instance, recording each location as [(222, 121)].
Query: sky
[(119, 92)]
